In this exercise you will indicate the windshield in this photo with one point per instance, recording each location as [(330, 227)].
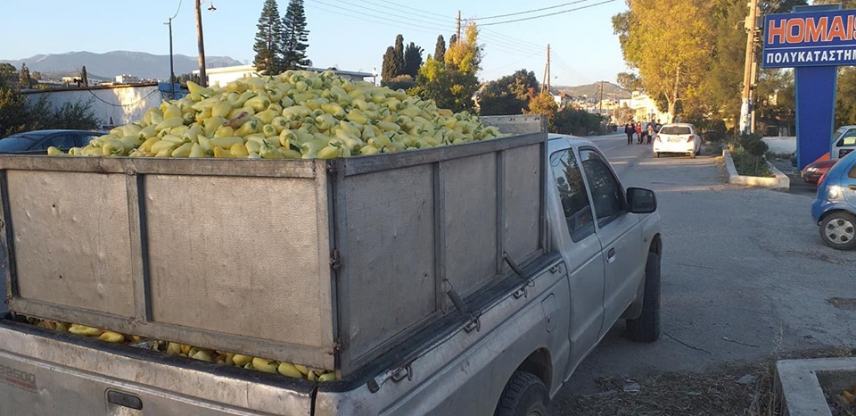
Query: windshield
[(16, 144), (837, 133), (675, 130)]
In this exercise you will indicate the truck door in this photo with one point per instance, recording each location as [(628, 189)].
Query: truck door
[(620, 235), (574, 236)]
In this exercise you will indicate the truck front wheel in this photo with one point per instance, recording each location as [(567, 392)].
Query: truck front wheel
[(646, 328), (524, 395)]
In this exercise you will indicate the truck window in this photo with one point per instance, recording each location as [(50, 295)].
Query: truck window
[(572, 193), (606, 191)]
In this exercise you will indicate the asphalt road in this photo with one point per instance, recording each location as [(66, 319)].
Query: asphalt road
[(744, 274)]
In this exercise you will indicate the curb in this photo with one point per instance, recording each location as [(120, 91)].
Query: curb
[(800, 384), (779, 182)]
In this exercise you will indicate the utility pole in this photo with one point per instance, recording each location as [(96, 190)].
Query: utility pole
[(171, 70), (749, 69), (203, 78), (546, 86), (458, 27)]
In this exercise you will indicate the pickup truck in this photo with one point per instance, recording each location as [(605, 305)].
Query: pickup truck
[(468, 280)]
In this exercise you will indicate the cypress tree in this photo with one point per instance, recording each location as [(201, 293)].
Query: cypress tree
[(296, 36), (389, 70), (440, 48), (269, 40), (399, 55)]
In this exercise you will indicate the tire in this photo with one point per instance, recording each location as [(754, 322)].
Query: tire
[(524, 395), (646, 328), (658, 155), (838, 230)]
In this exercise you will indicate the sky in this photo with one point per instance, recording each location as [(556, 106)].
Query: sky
[(347, 34)]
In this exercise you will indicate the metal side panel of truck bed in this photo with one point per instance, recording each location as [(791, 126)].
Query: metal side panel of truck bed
[(444, 370)]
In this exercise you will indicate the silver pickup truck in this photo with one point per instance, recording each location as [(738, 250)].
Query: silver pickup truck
[(505, 303)]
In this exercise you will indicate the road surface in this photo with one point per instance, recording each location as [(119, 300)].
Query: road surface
[(744, 274)]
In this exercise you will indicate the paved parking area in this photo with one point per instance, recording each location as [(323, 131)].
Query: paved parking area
[(745, 275)]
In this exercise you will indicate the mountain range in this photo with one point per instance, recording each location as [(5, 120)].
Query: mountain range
[(592, 91), (110, 64)]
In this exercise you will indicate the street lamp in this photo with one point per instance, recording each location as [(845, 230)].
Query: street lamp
[(171, 66)]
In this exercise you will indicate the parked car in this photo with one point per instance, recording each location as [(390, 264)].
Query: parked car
[(677, 138), (834, 209), (38, 141), (843, 141), (814, 171)]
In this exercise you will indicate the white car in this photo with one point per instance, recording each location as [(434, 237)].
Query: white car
[(677, 138), (843, 141)]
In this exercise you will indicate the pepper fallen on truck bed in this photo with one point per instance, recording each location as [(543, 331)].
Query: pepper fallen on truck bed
[(202, 354)]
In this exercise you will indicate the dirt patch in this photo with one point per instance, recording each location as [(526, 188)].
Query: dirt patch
[(736, 389)]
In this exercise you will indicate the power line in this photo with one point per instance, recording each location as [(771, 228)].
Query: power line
[(382, 19), (177, 9), (388, 13), (124, 105), (547, 14), (529, 11), (441, 19)]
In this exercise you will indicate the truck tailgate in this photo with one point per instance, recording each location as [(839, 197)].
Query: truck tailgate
[(44, 374)]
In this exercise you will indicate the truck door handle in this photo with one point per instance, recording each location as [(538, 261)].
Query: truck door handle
[(123, 399), (610, 255)]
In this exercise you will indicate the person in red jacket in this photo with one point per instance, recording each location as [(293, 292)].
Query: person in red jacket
[(639, 133)]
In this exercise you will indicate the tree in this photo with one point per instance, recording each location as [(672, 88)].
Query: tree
[(24, 79), (465, 55), (399, 55), (675, 76), (8, 74), (629, 81), (845, 4), (845, 101), (577, 122), (507, 95), (440, 48), (452, 40), (448, 87), (543, 104), (412, 60), (296, 39), (389, 70), (270, 40)]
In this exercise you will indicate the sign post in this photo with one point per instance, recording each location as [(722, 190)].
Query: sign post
[(815, 40)]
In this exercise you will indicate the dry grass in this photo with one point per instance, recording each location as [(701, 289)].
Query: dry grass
[(715, 392)]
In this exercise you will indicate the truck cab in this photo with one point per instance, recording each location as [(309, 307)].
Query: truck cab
[(505, 348)]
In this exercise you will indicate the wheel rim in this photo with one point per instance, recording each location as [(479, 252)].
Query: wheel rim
[(840, 231)]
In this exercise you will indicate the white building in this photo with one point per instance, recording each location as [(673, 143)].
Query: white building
[(126, 79), (644, 108), (113, 105), (227, 74)]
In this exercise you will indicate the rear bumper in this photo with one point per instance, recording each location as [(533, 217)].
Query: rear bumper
[(667, 147), (48, 374)]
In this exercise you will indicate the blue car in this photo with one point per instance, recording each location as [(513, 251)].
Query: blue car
[(834, 209), (38, 141)]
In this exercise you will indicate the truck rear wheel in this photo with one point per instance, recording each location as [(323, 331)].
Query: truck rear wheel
[(524, 395), (646, 328)]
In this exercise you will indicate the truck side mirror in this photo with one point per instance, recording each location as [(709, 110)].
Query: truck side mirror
[(641, 201)]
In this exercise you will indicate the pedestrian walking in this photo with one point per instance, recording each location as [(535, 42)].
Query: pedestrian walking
[(651, 132), (629, 130), (639, 132)]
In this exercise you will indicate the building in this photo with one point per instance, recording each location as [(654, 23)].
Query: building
[(227, 74), (127, 79), (113, 105), (644, 108)]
